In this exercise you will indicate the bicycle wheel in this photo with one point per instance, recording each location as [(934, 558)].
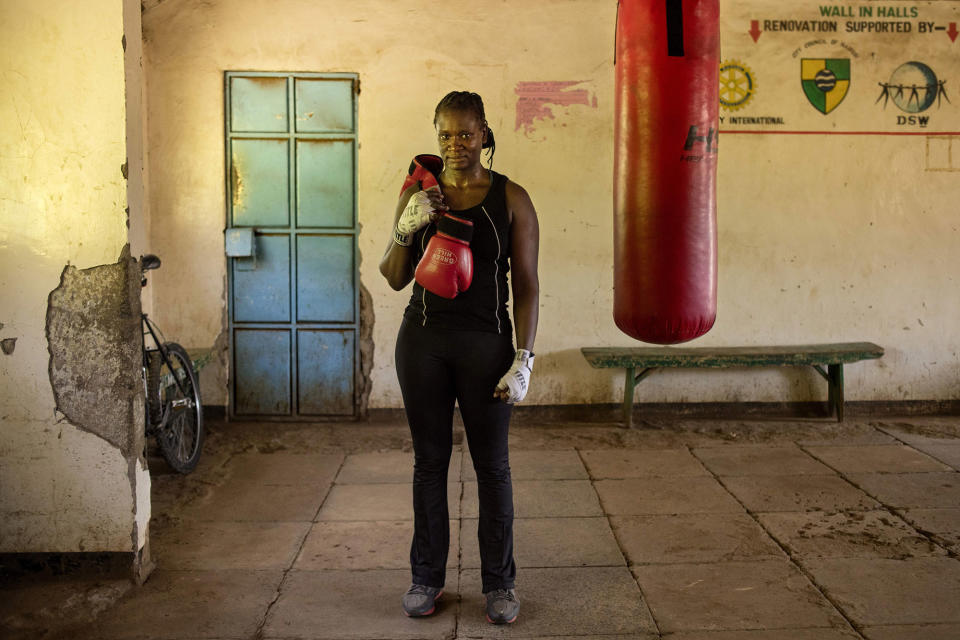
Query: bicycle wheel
[(180, 432)]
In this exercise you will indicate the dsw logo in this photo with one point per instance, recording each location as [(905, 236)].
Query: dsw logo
[(917, 120)]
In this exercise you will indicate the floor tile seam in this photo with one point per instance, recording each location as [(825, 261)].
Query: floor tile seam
[(258, 483), (525, 567), (633, 636), (917, 445), (654, 476), (833, 512), (296, 556), (620, 547), (897, 625), (782, 559), (841, 472), (410, 519), (248, 521), (365, 484), (865, 445), (801, 557), (752, 629), (789, 555), (829, 471), (388, 484), (597, 517), (364, 570), (680, 514), (730, 475), (514, 478), (672, 513), (459, 603), (231, 570), (955, 467), (460, 518), (362, 521), (890, 509)]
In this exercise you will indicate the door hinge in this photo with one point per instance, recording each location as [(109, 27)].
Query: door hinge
[(356, 86)]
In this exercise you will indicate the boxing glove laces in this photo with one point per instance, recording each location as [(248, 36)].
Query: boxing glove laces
[(517, 378), (446, 267)]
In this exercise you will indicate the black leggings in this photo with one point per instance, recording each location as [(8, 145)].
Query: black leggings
[(435, 368)]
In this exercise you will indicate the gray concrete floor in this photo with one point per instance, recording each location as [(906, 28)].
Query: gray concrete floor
[(686, 530)]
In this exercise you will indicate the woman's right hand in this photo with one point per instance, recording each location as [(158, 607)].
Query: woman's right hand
[(420, 209), (423, 208)]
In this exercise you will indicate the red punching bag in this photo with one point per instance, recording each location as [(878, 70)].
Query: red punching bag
[(665, 168)]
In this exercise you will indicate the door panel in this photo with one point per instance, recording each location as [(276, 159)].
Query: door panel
[(321, 355), (324, 105), (261, 366), (325, 283), (258, 104), (260, 183), (325, 183), (291, 146), (262, 294)]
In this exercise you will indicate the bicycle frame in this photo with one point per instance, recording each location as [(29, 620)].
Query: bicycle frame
[(148, 327)]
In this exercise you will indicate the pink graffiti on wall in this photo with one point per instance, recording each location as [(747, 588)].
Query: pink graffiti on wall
[(534, 100)]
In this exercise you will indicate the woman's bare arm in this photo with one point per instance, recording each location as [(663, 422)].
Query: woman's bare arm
[(524, 252)]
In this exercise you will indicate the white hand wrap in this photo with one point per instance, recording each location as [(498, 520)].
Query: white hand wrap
[(517, 378), (418, 214)]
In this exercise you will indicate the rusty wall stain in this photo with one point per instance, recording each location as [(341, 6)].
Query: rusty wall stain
[(534, 100)]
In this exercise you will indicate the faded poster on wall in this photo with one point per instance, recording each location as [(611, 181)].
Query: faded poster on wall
[(840, 67)]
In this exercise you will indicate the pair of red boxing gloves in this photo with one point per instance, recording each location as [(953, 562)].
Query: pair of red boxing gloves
[(446, 268)]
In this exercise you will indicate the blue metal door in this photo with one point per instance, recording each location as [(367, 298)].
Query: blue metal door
[(292, 244)]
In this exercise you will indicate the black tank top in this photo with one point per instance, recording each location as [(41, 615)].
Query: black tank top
[(483, 306)]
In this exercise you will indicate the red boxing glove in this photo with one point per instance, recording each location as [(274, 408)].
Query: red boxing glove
[(446, 268), (424, 169)]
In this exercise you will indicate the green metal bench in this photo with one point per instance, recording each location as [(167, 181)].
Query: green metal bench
[(649, 359)]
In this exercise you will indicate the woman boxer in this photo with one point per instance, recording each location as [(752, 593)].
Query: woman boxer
[(461, 350)]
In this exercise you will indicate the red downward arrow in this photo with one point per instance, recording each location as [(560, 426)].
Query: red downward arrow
[(952, 32), (755, 29)]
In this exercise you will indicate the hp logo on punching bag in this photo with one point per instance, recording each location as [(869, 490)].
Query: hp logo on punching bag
[(711, 139)]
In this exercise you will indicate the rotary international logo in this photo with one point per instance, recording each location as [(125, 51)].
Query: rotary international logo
[(737, 85)]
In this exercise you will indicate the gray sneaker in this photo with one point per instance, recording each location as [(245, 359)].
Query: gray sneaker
[(421, 600), (502, 606)]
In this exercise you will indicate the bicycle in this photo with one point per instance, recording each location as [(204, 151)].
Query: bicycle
[(173, 409)]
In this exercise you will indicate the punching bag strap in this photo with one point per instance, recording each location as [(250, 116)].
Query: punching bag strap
[(675, 28)]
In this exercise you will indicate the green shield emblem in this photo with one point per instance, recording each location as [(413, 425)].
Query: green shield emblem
[(825, 81)]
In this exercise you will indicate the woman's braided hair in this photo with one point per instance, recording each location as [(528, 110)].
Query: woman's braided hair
[(467, 101)]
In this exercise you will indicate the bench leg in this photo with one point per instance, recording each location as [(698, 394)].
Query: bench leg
[(836, 389), (628, 386)]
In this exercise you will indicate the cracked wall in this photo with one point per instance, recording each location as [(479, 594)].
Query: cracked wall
[(71, 477)]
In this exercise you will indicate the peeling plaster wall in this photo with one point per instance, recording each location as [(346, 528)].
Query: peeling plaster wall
[(862, 256), (93, 334), (65, 486)]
